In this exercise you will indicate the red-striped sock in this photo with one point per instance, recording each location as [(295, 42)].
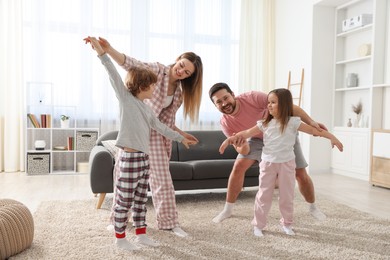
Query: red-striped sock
[(123, 235), (140, 231)]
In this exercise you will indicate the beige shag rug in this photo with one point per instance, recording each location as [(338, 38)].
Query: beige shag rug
[(76, 230)]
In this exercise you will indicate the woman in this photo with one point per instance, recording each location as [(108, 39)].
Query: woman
[(178, 83)]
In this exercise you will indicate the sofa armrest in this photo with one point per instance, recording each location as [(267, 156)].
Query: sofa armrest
[(101, 166)]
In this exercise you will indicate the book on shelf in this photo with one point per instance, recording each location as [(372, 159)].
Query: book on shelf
[(45, 120), (34, 120), (70, 143)]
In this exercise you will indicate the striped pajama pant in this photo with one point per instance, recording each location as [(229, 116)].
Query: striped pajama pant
[(131, 186)]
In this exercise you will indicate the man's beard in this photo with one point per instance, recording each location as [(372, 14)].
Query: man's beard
[(229, 109)]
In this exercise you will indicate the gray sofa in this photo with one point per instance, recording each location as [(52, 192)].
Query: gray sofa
[(200, 167)]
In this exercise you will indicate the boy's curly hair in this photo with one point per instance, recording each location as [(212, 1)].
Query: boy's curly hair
[(139, 79)]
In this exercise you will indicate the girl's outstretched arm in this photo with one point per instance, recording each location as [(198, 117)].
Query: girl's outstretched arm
[(313, 131)]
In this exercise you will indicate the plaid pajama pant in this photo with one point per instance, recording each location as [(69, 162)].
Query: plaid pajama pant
[(131, 190)]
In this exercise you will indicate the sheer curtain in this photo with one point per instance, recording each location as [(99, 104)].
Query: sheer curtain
[(52, 53), (150, 30), (11, 87), (257, 46)]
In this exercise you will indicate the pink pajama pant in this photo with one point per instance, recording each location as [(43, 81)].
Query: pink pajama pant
[(269, 172), (161, 185), (131, 186)]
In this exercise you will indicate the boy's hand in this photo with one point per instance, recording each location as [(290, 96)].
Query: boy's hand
[(95, 45)]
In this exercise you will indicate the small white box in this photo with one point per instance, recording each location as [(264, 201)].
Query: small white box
[(82, 167), (357, 21)]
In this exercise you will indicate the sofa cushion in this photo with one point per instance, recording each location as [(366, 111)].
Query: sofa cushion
[(174, 151), (110, 146), (207, 148), (215, 169), (212, 169), (180, 170)]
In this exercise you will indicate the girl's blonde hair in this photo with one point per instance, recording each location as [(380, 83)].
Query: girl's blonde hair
[(192, 87), (285, 107), (139, 79)]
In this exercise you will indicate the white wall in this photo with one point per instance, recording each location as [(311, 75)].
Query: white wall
[(294, 41)]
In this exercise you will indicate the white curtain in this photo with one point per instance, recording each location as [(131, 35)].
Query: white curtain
[(150, 30), (11, 87), (52, 63), (257, 46)]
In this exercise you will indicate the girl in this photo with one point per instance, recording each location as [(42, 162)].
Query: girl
[(277, 161)]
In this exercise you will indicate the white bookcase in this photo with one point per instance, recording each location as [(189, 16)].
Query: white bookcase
[(67, 149), (361, 51)]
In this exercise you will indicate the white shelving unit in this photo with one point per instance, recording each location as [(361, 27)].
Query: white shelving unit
[(372, 88), (59, 155)]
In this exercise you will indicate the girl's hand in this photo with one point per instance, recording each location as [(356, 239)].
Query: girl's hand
[(335, 142), (223, 146)]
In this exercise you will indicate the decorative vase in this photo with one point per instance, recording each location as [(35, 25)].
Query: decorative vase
[(362, 121), (357, 120), (349, 124), (65, 123), (40, 145)]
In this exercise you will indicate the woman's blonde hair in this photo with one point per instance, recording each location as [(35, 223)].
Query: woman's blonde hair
[(285, 107), (192, 87), (139, 79)]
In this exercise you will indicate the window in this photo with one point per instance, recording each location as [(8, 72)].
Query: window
[(148, 30)]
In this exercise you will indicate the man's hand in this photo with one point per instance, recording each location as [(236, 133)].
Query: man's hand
[(319, 126)]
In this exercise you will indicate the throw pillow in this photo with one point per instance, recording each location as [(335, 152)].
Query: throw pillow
[(110, 146)]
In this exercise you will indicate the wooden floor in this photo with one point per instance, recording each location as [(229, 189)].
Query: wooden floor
[(31, 190)]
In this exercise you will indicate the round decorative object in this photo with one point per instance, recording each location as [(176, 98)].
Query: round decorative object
[(40, 145), (16, 228), (364, 50)]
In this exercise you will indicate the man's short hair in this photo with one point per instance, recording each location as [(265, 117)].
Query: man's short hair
[(217, 87)]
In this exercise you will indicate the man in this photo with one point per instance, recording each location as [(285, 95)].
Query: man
[(240, 113)]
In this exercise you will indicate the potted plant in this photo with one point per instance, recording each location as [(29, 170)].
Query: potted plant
[(65, 121), (357, 109)]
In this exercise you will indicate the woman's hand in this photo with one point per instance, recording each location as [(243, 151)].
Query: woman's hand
[(105, 44), (190, 137), (186, 142)]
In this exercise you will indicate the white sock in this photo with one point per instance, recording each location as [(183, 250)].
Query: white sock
[(125, 244), (110, 228), (145, 240), (315, 212), (225, 213), (179, 232), (288, 230), (257, 232)]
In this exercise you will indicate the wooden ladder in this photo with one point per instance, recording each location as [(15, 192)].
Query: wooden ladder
[(296, 88)]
